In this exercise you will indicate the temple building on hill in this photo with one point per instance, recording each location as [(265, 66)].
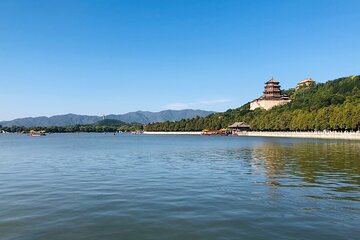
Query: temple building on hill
[(271, 97), (307, 82)]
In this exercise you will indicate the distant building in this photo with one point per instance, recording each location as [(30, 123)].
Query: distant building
[(271, 97), (307, 82), (238, 127)]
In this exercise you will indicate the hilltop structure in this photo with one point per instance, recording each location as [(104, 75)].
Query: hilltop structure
[(307, 82), (271, 97)]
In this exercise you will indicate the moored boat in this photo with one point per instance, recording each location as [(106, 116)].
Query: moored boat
[(137, 132), (207, 132), (34, 133)]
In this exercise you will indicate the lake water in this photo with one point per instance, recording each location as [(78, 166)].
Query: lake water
[(100, 186)]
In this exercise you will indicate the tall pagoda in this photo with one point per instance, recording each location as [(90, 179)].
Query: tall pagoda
[(271, 96), (272, 89)]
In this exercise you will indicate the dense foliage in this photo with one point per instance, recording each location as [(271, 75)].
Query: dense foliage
[(77, 128), (334, 105), (110, 122)]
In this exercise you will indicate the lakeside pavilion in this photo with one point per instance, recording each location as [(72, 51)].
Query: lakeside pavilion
[(239, 127)]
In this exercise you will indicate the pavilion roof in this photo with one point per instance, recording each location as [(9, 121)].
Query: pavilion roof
[(239, 124), (272, 80)]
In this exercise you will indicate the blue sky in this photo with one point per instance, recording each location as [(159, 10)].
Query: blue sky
[(101, 57)]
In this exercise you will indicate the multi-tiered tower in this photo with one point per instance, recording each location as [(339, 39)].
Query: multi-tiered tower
[(271, 96), (272, 89)]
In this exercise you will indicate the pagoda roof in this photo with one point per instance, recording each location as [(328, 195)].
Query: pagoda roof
[(272, 80)]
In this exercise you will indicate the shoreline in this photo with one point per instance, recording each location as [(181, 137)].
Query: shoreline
[(309, 135), (172, 133)]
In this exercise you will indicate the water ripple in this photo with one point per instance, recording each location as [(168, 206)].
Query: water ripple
[(95, 186)]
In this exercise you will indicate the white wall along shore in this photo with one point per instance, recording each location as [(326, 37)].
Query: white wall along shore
[(315, 135)]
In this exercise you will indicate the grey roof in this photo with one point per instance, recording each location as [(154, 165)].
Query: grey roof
[(239, 124)]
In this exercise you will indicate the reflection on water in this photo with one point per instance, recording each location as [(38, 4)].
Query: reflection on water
[(96, 186), (331, 165)]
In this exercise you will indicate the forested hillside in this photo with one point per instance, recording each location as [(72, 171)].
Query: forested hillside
[(110, 122), (334, 105)]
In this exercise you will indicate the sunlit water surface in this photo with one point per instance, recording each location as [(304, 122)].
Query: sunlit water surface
[(101, 186)]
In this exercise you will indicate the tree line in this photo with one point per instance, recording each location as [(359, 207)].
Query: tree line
[(72, 129)]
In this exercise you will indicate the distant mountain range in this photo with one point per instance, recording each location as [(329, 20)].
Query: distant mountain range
[(143, 117)]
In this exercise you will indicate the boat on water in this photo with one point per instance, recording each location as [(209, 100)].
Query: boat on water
[(34, 133), (221, 132), (137, 132)]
